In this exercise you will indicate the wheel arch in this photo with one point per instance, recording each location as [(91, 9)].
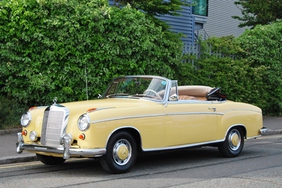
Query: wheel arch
[(241, 126), (131, 130)]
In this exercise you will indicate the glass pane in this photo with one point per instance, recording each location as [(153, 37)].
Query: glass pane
[(200, 7), (142, 87)]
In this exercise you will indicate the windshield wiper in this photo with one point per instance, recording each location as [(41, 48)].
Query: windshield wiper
[(142, 95), (117, 95)]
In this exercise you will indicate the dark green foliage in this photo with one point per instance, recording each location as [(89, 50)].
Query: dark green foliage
[(55, 48), (259, 12), (253, 75), (49, 48), (10, 112), (262, 48)]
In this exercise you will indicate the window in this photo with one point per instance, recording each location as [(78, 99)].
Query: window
[(200, 7)]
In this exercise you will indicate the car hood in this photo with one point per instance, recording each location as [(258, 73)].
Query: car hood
[(100, 104)]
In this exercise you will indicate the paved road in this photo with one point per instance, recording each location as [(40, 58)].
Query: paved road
[(259, 166)]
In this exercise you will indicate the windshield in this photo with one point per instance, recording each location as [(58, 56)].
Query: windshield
[(137, 87)]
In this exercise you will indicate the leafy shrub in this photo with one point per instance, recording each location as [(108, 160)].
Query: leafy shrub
[(262, 48), (10, 112), (54, 48), (237, 77)]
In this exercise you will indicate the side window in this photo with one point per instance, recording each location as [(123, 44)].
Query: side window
[(173, 93), (200, 7)]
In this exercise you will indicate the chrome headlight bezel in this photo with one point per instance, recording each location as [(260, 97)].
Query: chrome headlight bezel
[(33, 136), (26, 119), (83, 122)]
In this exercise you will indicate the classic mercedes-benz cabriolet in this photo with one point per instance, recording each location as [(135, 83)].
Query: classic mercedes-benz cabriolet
[(138, 114)]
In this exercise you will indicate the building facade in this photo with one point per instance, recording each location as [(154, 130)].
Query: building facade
[(219, 20), (205, 18)]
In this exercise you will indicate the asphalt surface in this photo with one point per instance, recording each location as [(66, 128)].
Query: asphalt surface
[(8, 140)]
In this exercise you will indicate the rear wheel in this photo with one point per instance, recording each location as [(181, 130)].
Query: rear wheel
[(50, 160), (233, 144), (121, 153)]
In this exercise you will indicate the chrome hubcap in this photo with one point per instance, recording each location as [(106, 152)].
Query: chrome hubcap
[(122, 152), (234, 140)]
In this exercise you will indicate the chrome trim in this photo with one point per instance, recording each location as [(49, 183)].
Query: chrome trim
[(126, 117), (65, 150), (98, 109), (168, 85), (155, 115), (66, 141), (253, 137), (194, 113), (19, 143), (195, 102), (79, 121), (184, 146), (55, 100), (54, 125), (263, 130), (29, 119)]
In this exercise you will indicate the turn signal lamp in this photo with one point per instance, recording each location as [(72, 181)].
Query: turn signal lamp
[(91, 110), (24, 133), (81, 136), (32, 108)]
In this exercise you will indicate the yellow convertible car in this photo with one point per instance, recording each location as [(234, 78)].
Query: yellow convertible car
[(138, 114)]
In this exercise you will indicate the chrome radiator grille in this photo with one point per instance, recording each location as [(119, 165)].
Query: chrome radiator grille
[(54, 124)]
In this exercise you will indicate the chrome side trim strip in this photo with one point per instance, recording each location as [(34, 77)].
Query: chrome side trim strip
[(194, 113), (155, 115), (184, 146), (254, 137), (126, 117)]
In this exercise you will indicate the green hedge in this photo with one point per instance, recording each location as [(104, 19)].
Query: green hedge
[(249, 69), (53, 48), (49, 47), (10, 113), (262, 48)]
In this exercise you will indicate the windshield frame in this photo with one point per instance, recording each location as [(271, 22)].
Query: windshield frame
[(115, 82)]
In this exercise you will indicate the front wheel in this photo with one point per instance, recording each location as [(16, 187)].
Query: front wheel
[(50, 160), (121, 153), (233, 144)]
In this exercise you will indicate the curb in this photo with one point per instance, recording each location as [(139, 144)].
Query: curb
[(10, 131), (272, 132), (17, 159)]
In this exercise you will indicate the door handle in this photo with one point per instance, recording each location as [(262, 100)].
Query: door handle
[(212, 108)]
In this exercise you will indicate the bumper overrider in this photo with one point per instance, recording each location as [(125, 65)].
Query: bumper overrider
[(263, 130), (65, 149)]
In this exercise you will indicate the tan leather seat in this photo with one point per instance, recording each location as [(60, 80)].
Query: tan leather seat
[(186, 97), (193, 92)]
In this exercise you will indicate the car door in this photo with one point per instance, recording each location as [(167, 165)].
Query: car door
[(190, 122)]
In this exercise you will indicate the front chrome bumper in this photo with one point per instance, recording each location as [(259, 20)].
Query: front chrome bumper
[(263, 130), (64, 149)]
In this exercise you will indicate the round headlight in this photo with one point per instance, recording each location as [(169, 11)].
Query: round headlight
[(25, 119), (33, 136), (83, 122)]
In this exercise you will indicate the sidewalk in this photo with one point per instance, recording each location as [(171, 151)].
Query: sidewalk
[(8, 139)]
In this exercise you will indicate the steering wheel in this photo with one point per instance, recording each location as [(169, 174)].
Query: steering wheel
[(156, 94)]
